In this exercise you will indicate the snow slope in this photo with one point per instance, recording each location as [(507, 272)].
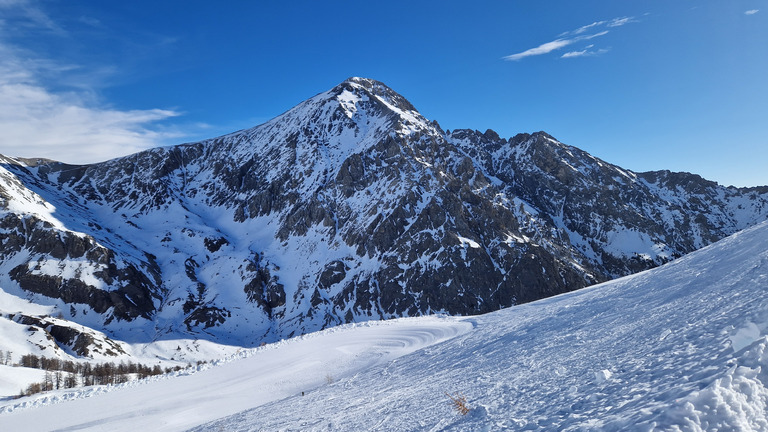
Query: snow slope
[(680, 347), (250, 378)]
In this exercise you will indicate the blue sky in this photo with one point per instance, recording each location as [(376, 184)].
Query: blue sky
[(647, 85)]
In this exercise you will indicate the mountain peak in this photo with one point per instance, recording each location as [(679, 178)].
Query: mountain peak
[(366, 82), (324, 131), (377, 89), (359, 100)]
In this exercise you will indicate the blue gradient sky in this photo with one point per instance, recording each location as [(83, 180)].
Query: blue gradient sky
[(646, 85)]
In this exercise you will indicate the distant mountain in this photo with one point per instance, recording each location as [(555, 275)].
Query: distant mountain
[(349, 207)]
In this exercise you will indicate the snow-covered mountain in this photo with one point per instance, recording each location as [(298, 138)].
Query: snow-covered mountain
[(349, 207), (679, 347)]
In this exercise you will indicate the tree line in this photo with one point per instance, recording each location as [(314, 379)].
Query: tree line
[(64, 374)]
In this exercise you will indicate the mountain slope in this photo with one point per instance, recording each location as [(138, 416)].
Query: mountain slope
[(680, 347), (349, 207), (622, 221)]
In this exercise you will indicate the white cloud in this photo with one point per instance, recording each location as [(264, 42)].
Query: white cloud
[(31, 15), (551, 46), (618, 22), (751, 11), (541, 49), (586, 52), (582, 29), (71, 126), (604, 32), (38, 123), (615, 22), (572, 37), (572, 54)]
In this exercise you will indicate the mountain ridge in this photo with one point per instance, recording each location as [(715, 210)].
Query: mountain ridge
[(351, 206)]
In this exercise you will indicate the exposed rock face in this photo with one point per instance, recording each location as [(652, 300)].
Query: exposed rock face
[(80, 340), (351, 206), (623, 222), (122, 292)]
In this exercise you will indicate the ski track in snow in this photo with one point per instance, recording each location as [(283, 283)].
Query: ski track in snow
[(251, 378)]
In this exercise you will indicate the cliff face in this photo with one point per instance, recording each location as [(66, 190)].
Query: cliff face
[(350, 206), (621, 221)]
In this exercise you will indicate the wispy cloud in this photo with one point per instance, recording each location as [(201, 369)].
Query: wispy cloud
[(751, 11), (582, 29), (572, 37), (541, 49), (90, 21), (586, 52), (71, 125), (30, 15), (618, 22), (571, 54), (615, 22)]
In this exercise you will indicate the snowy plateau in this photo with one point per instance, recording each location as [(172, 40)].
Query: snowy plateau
[(350, 265)]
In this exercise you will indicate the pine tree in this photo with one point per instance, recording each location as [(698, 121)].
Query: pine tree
[(58, 379), (48, 383), (70, 381)]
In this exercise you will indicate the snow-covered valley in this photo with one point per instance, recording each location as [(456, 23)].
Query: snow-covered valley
[(679, 347)]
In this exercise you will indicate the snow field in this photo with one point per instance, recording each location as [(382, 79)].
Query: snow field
[(14, 379), (248, 379)]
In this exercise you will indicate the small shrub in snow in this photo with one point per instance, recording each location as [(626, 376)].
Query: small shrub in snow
[(459, 403)]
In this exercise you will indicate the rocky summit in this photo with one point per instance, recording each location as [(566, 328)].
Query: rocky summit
[(349, 207)]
